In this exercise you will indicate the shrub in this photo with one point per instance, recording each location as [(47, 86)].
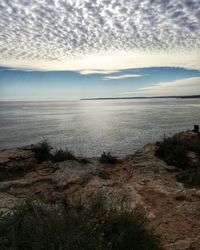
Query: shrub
[(193, 145), (127, 230), (35, 227), (63, 155), (174, 152), (42, 151), (84, 161), (107, 158), (191, 176)]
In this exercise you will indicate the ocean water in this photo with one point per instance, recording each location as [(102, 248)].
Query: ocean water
[(90, 127)]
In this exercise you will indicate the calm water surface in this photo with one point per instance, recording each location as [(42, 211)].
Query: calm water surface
[(90, 127)]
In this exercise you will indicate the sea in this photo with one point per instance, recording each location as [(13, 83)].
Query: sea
[(89, 127)]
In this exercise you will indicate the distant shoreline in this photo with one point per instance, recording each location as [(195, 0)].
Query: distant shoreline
[(141, 97)]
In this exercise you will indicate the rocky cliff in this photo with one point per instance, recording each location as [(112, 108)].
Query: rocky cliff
[(142, 179)]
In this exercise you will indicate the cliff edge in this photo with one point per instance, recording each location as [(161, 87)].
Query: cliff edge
[(143, 179)]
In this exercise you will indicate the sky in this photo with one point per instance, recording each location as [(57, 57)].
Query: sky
[(72, 49)]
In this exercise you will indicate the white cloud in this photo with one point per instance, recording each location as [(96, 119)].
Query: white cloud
[(188, 86), (113, 61), (90, 72), (56, 34), (121, 77)]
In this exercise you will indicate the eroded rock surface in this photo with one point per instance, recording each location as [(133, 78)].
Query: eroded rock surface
[(173, 210)]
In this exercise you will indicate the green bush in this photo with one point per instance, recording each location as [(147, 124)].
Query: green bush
[(107, 158), (174, 152), (84, 161), (193, 146), (191, 176), (63, 155), (42, 151), (35, 227)]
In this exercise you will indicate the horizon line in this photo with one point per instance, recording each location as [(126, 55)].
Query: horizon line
[(141, 97)]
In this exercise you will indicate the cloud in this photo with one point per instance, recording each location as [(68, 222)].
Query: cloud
[(92, 71), (121, 77), (47, 34), (188, 86), (113, 61)]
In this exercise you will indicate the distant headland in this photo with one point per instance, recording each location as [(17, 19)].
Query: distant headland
[(141, 97)]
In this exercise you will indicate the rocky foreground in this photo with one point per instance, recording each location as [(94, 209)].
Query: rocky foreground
[(146, 181)]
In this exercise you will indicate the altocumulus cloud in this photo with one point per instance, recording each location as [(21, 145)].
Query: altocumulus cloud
[(43, 33)]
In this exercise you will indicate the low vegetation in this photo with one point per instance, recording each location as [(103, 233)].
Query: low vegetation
[(36, 227), (107, 158), (190, 176), (175, 151), (84, 161), (43, 152), (63, 155)]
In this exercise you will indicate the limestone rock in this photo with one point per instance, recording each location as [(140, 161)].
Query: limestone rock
[(141, 180), (179, 245)]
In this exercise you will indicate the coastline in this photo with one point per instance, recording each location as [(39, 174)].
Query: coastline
[(142, 97), (146, 181)]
